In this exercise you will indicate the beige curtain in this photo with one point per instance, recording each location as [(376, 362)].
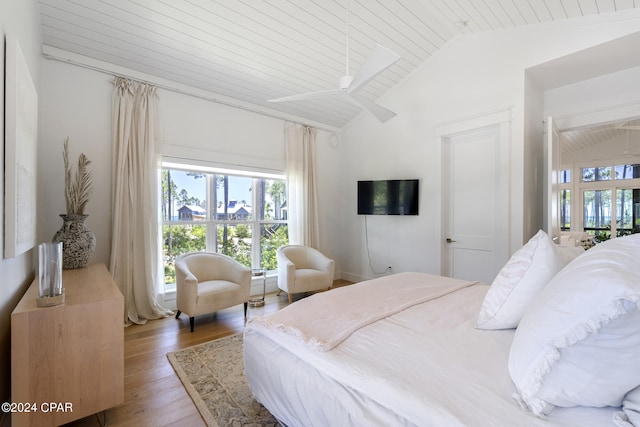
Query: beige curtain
[(135, 248), (301, 185)]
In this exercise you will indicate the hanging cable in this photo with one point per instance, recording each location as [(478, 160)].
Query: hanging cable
[(366, 238)]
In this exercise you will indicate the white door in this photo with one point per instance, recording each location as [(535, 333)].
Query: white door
[(476, 215), (551, 176)]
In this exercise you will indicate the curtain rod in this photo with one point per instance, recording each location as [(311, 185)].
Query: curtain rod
[(189, 93)]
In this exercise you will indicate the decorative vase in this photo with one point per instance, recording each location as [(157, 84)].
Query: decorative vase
[(78, 242)]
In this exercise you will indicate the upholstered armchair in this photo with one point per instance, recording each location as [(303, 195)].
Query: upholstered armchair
[(303, 269), (207, 282)]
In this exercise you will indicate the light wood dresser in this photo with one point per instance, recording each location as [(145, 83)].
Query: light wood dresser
[(67, 361)]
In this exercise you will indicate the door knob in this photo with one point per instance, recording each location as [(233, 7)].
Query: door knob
[(449, 240)]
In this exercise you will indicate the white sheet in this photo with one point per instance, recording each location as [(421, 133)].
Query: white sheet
[(424, 366), (329, 318)]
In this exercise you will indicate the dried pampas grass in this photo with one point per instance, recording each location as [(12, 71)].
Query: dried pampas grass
[(77, 189)]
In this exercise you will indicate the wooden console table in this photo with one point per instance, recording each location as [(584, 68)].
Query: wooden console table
[(67, 361)]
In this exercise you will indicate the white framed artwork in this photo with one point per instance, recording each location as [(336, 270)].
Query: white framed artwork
[(20, 138)]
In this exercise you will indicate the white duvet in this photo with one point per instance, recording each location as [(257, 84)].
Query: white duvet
[(331, 317), (426, 365)]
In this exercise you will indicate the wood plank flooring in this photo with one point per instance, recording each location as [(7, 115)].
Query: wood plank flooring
[(154, 395)]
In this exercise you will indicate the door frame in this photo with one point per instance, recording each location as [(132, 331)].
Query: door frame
[(582, 120), (443, 133), (551, 180)]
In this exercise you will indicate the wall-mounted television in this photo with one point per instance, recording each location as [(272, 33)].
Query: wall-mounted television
[(388, 197)]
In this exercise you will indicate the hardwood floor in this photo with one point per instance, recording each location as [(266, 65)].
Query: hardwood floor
[(154, 395)]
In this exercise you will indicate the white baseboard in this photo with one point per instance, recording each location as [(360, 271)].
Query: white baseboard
[(355, 278)]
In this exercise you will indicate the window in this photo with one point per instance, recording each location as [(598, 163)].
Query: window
[(627, 211), (565, 200), (565, 209), (627, 171), (610, 199), (596, 217), (240, 215), (596, 174)]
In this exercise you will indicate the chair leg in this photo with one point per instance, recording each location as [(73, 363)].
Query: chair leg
[(178, 313), (191, 322), (279, 292), (246, 304), (290, 298)]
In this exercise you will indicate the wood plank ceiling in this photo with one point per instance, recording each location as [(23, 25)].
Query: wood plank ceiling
[(255, 50), (576, 140)]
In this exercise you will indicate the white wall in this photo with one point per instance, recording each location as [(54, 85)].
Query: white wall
[(533, 152), (613, 97), (18, 19), (76, 102), (471, 76), (605, 94)]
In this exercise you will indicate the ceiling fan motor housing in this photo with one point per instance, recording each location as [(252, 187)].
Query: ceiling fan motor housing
[(345, 81)]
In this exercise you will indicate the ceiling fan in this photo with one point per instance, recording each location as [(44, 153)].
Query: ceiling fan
[(627, 151), (625, 126), (622, 127), (378, 60)]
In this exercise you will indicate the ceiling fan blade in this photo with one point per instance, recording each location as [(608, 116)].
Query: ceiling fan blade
[(378, 60), (381, 113), (309, 95), (609, 128)]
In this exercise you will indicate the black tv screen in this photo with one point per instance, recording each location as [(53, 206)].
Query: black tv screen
[(388, 197)]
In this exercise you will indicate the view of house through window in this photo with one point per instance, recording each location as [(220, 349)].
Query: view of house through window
[(243, 216)]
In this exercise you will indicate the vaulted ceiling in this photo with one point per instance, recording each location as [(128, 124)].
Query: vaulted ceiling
[(250, 51), (576, 140)]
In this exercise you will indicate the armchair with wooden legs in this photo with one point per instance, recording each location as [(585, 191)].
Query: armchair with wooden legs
[(303, 269), (207, 282)]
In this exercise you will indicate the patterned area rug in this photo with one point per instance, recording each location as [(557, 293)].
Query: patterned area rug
[(212, 374)]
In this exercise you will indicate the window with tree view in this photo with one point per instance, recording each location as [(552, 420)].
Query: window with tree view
[(565, 200), (611, 200), (242, 216)]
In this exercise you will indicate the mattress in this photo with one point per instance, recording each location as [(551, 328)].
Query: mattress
[(426, 365)]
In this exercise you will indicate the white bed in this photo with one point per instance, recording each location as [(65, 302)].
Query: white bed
[(426, 365)]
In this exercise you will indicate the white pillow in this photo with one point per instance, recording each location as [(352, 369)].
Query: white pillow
[(520, 280), (578, 343), (630, 414)]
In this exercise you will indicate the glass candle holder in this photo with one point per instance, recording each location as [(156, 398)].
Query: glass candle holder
[(50, 290)]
